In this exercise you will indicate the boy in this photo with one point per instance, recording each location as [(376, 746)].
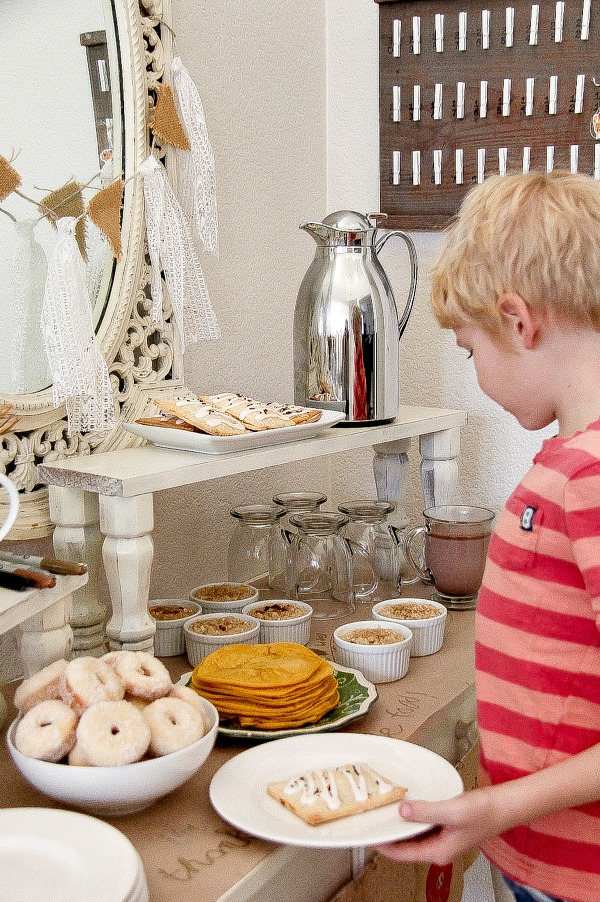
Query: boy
[(518, 280)]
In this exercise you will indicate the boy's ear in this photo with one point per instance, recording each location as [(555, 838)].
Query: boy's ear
[(519, 319)]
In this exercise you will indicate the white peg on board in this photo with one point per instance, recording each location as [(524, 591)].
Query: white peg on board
[(416, 34), (416, 167), (437, 167), (485, 29), (559, 21), (574, 157), (534, 25), (396, 167), (437, 101), (396, 36), (458, 165), (506, 97), (416, 110), (579, 89), (502, 160), (462, 31), (529, 86), (460, 100), (585, 20), (526, 159), (510, 25), (480, 165), (553, 95), (396, 103), (597, 161), (439, 32), (483, 86), (550, 158)]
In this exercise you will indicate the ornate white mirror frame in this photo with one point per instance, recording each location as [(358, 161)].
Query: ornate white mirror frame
[(142, 359)]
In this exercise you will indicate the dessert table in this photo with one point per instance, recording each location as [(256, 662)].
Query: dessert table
[(102, 505), (189, 852)]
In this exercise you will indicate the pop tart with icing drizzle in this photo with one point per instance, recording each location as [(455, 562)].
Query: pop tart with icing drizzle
[(320, 796)]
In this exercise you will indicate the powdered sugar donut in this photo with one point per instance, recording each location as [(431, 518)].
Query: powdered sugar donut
[(47, 731), (143, 675), (173, 725), (186, 694), (40, 687), (111, 734), (86, 681), (76, 757)]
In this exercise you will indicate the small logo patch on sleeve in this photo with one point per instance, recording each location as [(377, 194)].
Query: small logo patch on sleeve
[(527, 518)]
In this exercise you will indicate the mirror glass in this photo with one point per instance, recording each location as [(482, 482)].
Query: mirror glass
[(60, 109)]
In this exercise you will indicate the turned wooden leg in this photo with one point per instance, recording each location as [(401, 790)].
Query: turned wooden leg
[(439, 466), (47, 637), (127, 552), (391, 471), (77, 538)]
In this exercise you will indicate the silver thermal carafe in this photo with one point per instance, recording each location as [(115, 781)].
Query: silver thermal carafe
[(346, 323)]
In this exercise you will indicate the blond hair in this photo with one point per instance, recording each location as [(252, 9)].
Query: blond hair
[(536, 235)]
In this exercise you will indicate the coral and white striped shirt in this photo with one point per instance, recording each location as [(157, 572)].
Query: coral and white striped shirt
[(538, 658)]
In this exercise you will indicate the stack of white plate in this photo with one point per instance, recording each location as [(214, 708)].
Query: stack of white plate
[(48, 853)]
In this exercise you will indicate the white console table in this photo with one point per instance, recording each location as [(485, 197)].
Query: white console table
[(102, 505)]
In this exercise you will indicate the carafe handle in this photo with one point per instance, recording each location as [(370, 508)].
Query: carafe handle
[(414, 273)]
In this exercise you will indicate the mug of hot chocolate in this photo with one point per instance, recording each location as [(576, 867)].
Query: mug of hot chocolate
[(450, 550)]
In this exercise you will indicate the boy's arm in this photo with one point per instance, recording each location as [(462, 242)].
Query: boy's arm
[(465, 822)]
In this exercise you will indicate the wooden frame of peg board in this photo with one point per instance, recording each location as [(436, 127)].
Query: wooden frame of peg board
[(428, 206)]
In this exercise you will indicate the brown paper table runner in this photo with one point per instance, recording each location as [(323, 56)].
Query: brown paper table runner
[(189, 852)]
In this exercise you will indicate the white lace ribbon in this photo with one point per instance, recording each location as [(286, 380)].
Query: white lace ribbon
[(172, 252), (30, 370), (80, 376), (196, 180)]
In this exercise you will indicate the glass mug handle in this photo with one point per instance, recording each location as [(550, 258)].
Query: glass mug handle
[(402, 551), (415, 557), (359, 553), (13, 508)]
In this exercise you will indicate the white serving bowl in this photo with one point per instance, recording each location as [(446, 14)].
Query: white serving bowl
[(288, 629), (199, 645), (428, 632), (116, 791), (168, 638), (204, 595), (378, 663)]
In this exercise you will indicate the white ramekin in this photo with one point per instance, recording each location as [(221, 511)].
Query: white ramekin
[(198, 646), (237, 604), (378, 663), (291, 629), (428, 633), (168, 638)]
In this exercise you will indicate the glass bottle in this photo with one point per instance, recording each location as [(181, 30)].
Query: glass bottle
[(257, 548), (319, 569)]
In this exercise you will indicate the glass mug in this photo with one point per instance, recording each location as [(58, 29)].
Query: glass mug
[(450, 550), (257, 547), (13, 505), (292, 503), (378, 558), (319, 569)]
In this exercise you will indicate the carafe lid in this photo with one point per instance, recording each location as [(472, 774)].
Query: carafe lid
[(345, 228)]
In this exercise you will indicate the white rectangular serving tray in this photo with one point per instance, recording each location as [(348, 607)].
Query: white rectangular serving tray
[(180, 440)]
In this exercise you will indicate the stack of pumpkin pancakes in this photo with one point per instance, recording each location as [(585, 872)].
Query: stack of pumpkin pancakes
[(274, 686)]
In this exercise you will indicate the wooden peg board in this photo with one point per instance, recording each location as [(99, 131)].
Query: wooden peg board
[(529, 98)]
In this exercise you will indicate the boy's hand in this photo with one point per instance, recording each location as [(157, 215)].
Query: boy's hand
[(461, 825)]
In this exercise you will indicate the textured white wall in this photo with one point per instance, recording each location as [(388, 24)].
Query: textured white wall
[(495, 451), (291, 101)]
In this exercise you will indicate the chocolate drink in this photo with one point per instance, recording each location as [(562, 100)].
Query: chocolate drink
[(456, 562)]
